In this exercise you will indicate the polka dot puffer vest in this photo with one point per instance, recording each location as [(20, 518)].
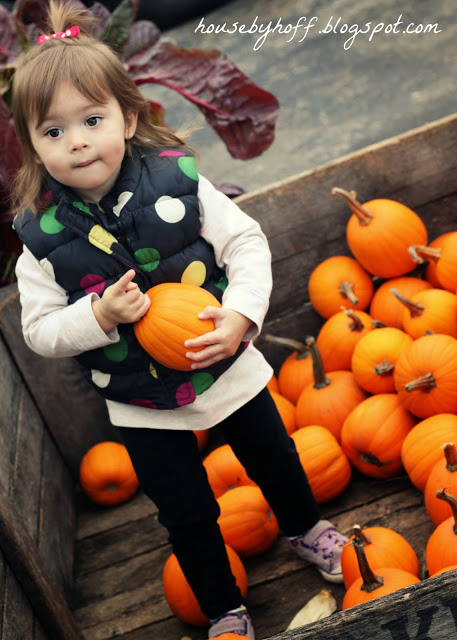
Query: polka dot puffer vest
[(150, 222)]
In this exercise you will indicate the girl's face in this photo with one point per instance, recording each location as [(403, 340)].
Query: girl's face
[(81, 143)]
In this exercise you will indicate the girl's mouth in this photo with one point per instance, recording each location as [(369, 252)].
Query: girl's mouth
[(84, 164)]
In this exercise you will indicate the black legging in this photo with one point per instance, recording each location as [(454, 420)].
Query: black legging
[(169, 467)]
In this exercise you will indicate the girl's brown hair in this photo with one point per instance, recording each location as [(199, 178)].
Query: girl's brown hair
[(95, 71)]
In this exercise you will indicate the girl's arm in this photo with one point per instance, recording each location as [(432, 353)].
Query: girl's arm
[(51, 327), (241, 248)]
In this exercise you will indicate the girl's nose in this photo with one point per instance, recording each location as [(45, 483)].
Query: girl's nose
[(78, 141)]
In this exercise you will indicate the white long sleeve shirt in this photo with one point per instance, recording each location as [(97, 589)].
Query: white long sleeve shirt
[(53, 328)]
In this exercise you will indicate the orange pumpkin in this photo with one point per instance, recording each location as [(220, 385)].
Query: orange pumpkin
[(441, 549), (443, 474), (202, 436), (225, 471), (339, 281), (430, 269), (384, 547), (229, 636), (247, 523), (296, 372), (374, 358), (370, 585), (421, 448), (445, 257), (286, 410), (389, 310), (107, 475), (373, 433), (338, 337), (172, 318), (330, 399), (181, 598), (425, 377), (451, 567), (379, 233), (273, 384), (326, 466), (429, 311)]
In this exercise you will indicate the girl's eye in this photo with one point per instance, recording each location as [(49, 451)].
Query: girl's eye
[(53, 133), (93, 121)]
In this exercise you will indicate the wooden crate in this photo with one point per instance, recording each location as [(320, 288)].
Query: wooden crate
[(120, 552)]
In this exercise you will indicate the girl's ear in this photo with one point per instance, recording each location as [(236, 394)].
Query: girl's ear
[(130, 124)]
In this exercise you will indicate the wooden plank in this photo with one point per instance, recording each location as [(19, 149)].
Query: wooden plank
[(20, 550), (10, 399), (424, 610), (18, 618), (75, 424), (57, 518)]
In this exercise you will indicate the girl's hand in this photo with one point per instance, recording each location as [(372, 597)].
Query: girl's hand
[(122, 302), (230, 327)]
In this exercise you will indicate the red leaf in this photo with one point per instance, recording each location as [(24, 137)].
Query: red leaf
[(243, 114)]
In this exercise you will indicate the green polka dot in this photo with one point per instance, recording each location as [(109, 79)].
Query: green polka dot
[(118, 351), (222, 284), (201, 382), (48, 222), (82, 207), (147, 259), (188, 167)]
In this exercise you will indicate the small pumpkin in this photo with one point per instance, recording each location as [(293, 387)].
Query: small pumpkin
[(384, 547), (424, 376), (451, 567), (430, 269), (229, 636), (443, 474), (172, 318), (181, 598), (296, 372), (106, 474), (325, 464), (374, 585), (225, 471), (421, 448), (379, 233), (286, 410), (429, 311), (441, 549), (445, 258), (339, 335), (330, 399), (375, 356), (273, 384), (373, 434), (247, 523), (339, 281), (389, 310)]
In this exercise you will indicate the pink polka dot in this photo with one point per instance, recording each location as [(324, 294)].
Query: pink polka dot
[(171, 152), (185, 394), (246, 344), (142, 402), (93, 283)]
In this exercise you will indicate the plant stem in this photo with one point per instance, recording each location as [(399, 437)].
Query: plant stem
[(421, 383), (356, 324), (416, 309), (346, 289), (363, 214), (384, 368), (450, 453), (371, 582), (361, 536), (320, 379), (452, 502), (415, 251), (294, 345)]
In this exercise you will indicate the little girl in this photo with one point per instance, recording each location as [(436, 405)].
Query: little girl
[(108, 206)]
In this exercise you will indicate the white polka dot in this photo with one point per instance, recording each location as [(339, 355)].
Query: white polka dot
[(99, 378), (47, 266), (122, 200), (170, 209)]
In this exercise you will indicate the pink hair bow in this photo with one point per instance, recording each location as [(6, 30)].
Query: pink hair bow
[(71, 32)]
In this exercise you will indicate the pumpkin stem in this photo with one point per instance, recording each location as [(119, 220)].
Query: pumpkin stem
[(346, 289), (415, 308), (320, 379), (377, 324), (384, 368), (363, 214), (452, 502), (371, 582), (418, 251), (361, 535), (422, 383), (450, 453), (294, 345), (356, 324)]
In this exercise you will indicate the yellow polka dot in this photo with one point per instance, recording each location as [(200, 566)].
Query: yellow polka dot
[(101, 238), (194, 273)]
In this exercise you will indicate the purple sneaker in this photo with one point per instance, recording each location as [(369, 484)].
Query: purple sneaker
[(236, 621), (322, 546)]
